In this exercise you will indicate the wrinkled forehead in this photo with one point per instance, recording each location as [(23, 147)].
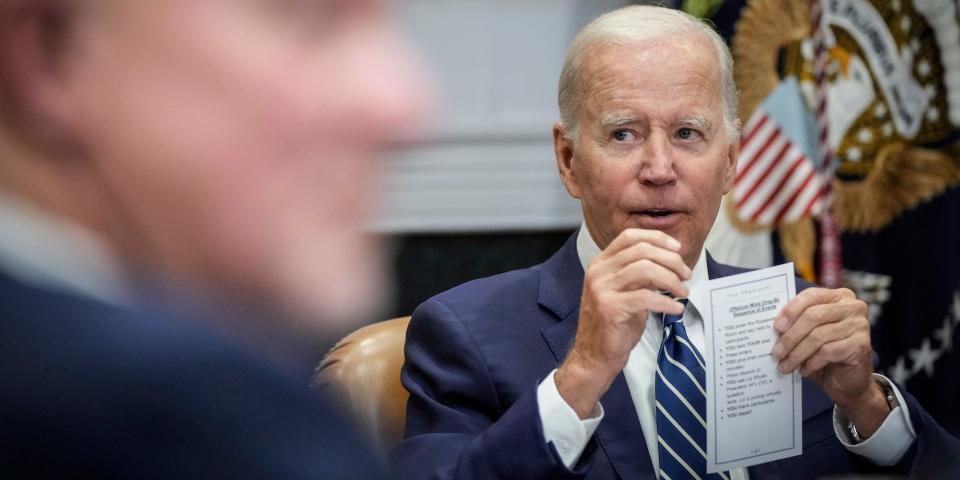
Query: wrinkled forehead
[(685, 71)]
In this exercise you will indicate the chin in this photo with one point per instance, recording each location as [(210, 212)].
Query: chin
[(334, 290)]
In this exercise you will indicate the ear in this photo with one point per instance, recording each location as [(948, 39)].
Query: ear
[(563, 149), (730, 168), (33, 82)]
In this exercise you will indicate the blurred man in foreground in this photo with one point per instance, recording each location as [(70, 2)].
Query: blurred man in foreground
[(562, 370), (177, 176)]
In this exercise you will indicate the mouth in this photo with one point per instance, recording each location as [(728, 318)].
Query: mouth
[(657, 218), (657, 213)]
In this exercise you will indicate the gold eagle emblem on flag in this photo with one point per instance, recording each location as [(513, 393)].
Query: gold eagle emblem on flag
[(893, 90)]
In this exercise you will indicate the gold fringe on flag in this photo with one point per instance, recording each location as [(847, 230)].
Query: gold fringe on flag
[(902, 178)]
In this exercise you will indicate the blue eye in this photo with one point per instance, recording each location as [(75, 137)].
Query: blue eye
[(622, 135), (686, 133)]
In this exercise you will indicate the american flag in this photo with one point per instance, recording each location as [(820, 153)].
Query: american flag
[(777, 178)]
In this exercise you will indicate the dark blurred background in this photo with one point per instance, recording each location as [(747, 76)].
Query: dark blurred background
[(427, 264)]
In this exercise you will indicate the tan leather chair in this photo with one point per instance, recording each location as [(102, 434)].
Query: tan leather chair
[(364, 367)]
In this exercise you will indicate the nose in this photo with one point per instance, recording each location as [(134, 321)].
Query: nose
[(656, 166)]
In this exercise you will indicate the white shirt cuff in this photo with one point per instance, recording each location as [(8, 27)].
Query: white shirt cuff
[(561, 425), (888, 444)]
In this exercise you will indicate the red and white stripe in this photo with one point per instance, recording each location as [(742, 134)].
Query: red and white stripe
[(775, 182)]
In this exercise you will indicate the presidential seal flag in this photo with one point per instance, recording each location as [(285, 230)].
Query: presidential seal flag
[(873, 90)]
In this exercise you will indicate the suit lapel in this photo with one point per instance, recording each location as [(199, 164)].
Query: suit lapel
[(619, 435), (716, 269), (561, 280)]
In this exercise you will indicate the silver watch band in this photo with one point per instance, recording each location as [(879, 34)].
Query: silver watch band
[(892, 402)]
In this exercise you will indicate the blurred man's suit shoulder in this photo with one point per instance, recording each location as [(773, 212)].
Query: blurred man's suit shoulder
[(93, 390)]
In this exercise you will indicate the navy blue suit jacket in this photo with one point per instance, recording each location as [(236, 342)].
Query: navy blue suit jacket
[(475, 355), (88, 390)]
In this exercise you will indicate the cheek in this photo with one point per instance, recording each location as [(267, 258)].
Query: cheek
[(605, 180), (610, 187), (707, 191)]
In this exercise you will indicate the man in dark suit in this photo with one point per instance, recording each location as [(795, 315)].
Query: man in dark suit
[(184, 186), (560, 370)]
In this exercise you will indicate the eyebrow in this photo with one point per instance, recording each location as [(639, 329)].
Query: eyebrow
[(699, 122), (617, 119)]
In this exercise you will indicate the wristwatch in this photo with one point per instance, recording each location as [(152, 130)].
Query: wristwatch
[(892, 402)]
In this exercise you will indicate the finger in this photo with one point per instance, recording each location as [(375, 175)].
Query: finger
[(649, 300), (665, 257), (633, 236), (794, 309), (815, 316), (812, 318), (646, 273), (811, 343), (852, 351)]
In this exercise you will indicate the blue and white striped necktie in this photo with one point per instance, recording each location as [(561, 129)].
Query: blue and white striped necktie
[(681, 406)]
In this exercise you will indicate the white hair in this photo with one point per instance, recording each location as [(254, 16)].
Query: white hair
[(638, 24)]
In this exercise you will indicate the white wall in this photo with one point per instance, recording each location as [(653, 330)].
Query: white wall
[(489, 164)]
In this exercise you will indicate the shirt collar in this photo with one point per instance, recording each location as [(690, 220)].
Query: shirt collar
[(44, 250), (588, 250)]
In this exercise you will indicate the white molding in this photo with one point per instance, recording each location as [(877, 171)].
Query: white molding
[(493, 186)]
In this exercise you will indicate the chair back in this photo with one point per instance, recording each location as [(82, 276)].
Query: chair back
[(364, 368)]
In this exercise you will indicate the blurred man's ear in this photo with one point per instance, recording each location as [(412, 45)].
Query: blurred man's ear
[(33, 77), (563, 149)]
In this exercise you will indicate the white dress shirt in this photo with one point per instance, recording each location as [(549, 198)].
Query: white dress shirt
[(569, 434), (44, 250)]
